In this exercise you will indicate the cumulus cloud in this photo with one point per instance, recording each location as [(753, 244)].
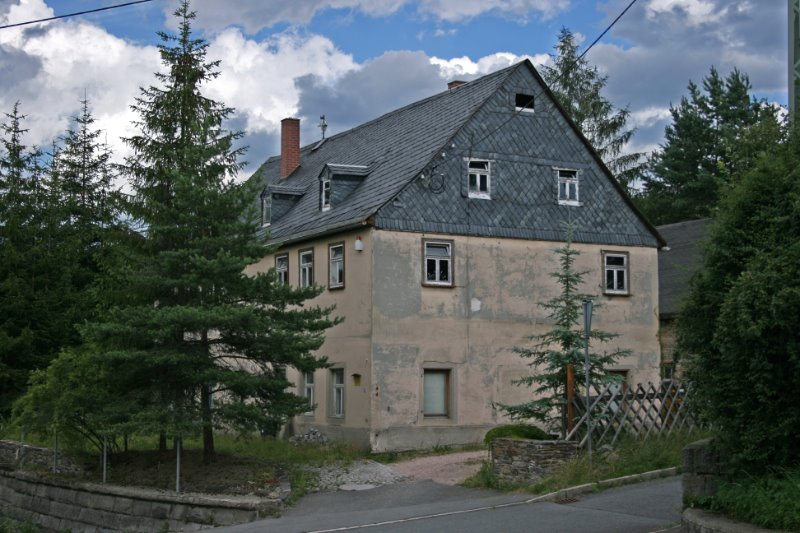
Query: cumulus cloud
[(255, 15)]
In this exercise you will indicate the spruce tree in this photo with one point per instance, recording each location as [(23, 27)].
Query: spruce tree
[(562, 345), (717, 132), (187, 324), (578, 88)]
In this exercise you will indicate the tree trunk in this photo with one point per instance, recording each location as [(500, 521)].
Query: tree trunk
[(208, 430)]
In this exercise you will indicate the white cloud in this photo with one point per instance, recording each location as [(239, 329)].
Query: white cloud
[(465, 67), (696, 12), (649, 116)]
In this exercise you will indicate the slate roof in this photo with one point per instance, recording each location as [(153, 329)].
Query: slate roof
[(678, 261), (399, 145)]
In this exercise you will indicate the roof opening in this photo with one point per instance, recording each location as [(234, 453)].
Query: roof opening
[(524, 102)]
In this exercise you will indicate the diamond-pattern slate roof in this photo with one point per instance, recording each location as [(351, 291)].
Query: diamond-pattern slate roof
[(677, 263), (434, 137)]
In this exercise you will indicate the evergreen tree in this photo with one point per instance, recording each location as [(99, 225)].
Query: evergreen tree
[(186, 322), (739, 322), (717, 132), (564, 344), (578, 88)]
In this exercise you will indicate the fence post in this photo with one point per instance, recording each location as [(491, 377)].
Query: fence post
[(570, 397)]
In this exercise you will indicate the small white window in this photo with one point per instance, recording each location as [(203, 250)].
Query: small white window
[(523, 102), (568, 187), (306, 268), (337, 388), (336, 266), (308, 391), (325, 194), (436, 392), (616, 272), (266, 208), (479, 177), (438, 263), (282, 269)]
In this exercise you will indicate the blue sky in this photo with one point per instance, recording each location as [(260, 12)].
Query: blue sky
[(356, 59)]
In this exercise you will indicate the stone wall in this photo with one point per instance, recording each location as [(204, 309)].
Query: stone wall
[(701, 472), (57, 505), (12, 452), (522, 461)]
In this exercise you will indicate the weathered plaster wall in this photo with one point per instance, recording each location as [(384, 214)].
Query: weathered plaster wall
[(348, 344), (472, 327)]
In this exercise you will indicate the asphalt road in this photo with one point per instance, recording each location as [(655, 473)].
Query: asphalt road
[(425, 506)]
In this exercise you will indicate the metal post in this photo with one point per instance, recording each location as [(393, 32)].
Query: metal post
[(55, 453), (177, 464), (570, 397), (587, 327), (105, 458)]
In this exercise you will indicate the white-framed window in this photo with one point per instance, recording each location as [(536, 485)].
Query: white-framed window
[(438, 263), (306, 268), (479, 179), (282, 268), (615, 273), (266, 208), (336, 266), (568, 187), (523, 102), (325, 194), (308, 391), (337, 392), (436, 392)]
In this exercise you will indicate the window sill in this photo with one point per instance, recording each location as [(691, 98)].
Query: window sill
[(616, 293), (524, 110), (572, 203), (479, 196), (435, 285), (336, 288)]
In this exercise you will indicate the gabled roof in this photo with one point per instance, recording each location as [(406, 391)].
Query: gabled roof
[(389, 152), (396, 146), (678, 261)]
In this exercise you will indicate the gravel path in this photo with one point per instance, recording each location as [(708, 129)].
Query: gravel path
[(448, 469)]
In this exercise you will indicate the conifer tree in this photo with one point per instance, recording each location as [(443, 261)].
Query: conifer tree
[(578, 88), (562, 345), (201, 343)]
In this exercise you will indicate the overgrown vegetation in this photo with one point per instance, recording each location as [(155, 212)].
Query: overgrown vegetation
[(771, 501), (515, 431), (629, 456)]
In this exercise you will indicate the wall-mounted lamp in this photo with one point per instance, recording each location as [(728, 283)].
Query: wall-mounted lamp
[(359, 246)]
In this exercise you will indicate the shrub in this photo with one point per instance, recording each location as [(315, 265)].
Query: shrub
[(515, 431)]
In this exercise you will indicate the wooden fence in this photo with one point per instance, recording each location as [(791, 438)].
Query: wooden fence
[(641, 410)]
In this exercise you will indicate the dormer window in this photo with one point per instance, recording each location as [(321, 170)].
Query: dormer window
[(523, 102), (568, 187), (479, 176), (325, 194), (266, 208)]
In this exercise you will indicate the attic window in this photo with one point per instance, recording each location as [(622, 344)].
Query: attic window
[(325, 194), (568, 187), (266, 208), (479, 177), (524, 102)]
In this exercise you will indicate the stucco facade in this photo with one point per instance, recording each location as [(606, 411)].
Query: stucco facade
[(396, 328)]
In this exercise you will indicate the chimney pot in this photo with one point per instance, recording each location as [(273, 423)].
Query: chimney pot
[(455, 83), (290, 146)]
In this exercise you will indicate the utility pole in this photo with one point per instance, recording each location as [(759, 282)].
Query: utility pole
[(794, 57)]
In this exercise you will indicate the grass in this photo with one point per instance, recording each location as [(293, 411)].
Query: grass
[(629, 456), (770, 501)]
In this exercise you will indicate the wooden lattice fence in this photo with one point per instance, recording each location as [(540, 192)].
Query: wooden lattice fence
[(641, 410)]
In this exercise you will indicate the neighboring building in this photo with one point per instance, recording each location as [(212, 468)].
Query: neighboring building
[(433, 229), (676, 264)]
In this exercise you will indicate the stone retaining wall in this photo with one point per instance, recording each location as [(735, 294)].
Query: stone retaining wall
[(57, 505), (701, 471), (12, 452), (521, 461)]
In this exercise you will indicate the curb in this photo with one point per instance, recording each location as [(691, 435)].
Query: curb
[(571, 492), (702, 521)]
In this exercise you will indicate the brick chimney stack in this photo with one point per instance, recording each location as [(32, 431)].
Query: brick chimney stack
[(290, 145), (455, 83)]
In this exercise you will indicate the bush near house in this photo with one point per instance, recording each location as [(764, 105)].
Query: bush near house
[(515, 431)]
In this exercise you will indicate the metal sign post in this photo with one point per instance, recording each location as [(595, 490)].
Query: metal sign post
[(587, 327)]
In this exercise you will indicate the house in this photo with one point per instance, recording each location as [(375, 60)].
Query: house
[(432, 229), (676, 264)]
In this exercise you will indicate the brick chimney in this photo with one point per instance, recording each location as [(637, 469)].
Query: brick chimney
[(455, 83), (290, 145)]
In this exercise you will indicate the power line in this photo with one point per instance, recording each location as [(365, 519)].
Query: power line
[(518, 111), (75, 14)]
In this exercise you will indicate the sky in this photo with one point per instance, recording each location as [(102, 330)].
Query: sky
[(354, 60)]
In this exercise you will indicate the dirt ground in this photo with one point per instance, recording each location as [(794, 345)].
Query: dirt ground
[(447, 469)]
